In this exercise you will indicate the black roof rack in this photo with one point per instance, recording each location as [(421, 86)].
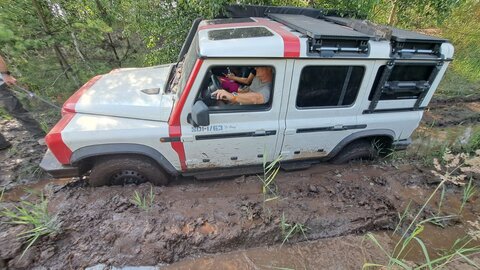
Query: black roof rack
[(405, 44), (326, 38), (330, 33)]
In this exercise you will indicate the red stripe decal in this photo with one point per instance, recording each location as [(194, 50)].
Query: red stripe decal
[(69, 105), (291, 43), (55, 141), (174, 124)]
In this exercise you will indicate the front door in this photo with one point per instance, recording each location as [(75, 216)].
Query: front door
[(238, 134)]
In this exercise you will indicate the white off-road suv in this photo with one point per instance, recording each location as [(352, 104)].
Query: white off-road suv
[(342, 89)]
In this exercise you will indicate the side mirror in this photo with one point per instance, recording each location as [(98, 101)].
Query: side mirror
[(200, 115)]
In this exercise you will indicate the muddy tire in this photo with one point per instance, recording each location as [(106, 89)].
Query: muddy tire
[(356, 150), (123, 170)]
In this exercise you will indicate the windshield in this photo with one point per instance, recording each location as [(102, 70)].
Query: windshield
[(185, 67)]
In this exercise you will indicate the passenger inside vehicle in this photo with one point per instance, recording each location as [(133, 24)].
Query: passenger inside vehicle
[(258, 92)]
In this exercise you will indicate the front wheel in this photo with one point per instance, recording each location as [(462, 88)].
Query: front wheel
[(124, 170), (356, 150)]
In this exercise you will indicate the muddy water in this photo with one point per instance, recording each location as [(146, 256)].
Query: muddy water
[(344, 252), (352, 251), (22, 192)]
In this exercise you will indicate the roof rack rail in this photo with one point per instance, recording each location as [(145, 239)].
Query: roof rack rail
[(404, 43), (326, 38)]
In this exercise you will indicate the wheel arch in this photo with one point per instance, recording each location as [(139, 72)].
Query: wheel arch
[(88, 153), (387, 135)]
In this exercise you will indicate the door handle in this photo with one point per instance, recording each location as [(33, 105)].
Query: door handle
[(187, 138), (260, 133)]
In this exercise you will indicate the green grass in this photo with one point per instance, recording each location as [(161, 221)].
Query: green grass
[(468, 191), (290, 229), (270, 171), (473, 143), (4, 114), (35, 216), (454, 84), (450, 170), (144, 202)]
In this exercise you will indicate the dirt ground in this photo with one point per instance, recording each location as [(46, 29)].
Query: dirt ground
[(225, 224)]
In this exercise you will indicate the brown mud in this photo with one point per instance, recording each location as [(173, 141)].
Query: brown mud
[(189, 218), (19, 163), (453, 111), (225, 224)]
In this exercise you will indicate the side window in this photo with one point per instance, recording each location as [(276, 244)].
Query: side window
[(238, 80), (403, 81), (329, 86)]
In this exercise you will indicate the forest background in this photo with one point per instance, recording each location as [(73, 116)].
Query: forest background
[(54, 46)]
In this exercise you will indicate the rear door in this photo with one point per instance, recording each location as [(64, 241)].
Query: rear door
[(322, 108)]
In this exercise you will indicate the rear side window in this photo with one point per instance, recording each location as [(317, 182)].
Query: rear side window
[(329, 86), (403, 81)]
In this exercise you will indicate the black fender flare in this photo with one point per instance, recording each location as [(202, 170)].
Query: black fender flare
[(359, 135), (122, 148)]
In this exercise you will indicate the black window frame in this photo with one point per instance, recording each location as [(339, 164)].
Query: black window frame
[(262, 33), (364, 68), (382, 68), (229, 108)]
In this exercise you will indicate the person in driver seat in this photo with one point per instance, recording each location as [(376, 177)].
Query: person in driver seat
[(257, 93)]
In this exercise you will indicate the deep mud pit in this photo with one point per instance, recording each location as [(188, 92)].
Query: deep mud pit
[(189, 218), (101, 225), (192, 224)]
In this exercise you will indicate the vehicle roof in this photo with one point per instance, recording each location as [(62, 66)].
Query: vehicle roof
[(300, 36), (280, 42)]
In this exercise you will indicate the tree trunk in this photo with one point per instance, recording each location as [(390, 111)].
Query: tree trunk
[(104, 14), (114, 49), (393, 13), (56, 47)]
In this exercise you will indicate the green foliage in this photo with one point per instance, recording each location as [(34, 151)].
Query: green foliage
[(143, 202), (463, 29), (37, 219), (455, 83), (473, 143), (4, 114)]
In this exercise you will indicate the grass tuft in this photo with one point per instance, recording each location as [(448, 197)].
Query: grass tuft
[(37, 219), (270, 171), (291, 229), (451, 169), (143, 202), (468, 191)]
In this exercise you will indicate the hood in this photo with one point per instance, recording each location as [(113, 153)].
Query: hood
[(131, 92)]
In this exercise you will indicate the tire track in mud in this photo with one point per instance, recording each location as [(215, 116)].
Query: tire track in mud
[(453, 111), (102, 225)]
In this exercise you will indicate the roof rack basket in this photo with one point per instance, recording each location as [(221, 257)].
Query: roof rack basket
[(404, 43), (326, 39)]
